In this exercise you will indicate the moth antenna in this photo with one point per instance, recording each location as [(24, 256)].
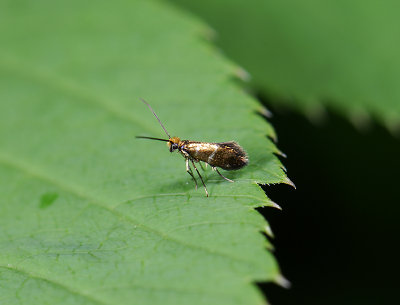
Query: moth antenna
[(151, 109), (151, 138)]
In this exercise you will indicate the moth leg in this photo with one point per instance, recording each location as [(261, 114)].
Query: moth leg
[(201, 178), (201, 165), (189, 170), (216, 169)]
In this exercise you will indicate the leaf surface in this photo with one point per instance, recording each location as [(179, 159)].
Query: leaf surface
[(88, 213), (311, 54)]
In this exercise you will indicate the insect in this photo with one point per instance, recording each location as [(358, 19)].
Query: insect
[(225, 155)]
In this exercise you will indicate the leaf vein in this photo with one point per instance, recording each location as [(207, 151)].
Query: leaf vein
[(77, 191), (54, 283)]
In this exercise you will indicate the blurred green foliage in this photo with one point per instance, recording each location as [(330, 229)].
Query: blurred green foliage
[(310, 54)]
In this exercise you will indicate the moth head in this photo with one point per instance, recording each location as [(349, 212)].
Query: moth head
[(173, 143)]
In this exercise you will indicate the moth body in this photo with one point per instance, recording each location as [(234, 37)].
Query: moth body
[(225, 155)]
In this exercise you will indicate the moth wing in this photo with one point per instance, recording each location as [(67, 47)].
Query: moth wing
[(235, 147), (233, 154)]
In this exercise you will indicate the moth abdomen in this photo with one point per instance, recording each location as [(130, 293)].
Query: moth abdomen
[(226, 155)]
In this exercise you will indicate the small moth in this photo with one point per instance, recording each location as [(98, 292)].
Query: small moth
[(225, 155)]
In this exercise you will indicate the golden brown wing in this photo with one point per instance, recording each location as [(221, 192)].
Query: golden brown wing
[(229, 156)]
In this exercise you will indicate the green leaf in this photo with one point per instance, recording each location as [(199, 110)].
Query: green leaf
[(311, 54), (88, 213)]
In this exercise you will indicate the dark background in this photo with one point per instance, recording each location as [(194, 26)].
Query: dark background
[(337, 235)]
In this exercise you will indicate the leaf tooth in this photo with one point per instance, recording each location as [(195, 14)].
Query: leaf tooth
[(286, 180), (268, 231), (274, 205), (242, 74), (282, 281)]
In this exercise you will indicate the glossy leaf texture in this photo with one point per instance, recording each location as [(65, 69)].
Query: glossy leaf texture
[(309, 55), (88, 213)]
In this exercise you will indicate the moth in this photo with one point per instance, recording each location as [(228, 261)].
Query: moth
[(226, 155)]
